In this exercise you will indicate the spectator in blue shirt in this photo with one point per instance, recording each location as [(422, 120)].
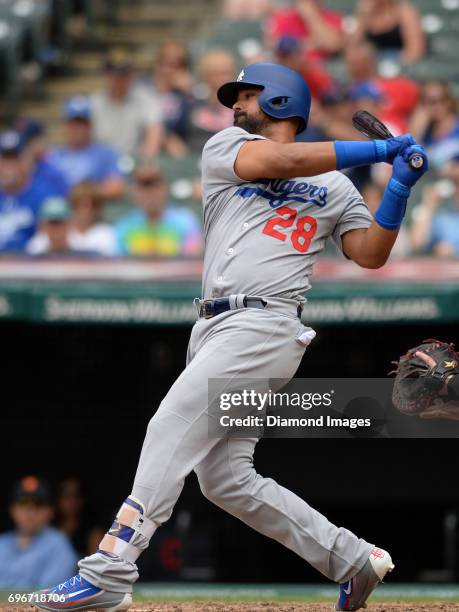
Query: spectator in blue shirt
[(21, 194), (34, 554), (81, 159), (36, 150), (435, 227)]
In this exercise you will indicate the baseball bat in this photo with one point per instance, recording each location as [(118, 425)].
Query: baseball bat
[(366, 123)]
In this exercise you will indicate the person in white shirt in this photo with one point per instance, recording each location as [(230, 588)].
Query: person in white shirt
[(125, 114), (75, 228), (87, 232)]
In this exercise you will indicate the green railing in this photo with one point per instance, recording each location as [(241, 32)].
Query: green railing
[(130, 292)]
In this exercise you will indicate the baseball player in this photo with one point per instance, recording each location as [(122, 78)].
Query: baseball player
[(270, 204)]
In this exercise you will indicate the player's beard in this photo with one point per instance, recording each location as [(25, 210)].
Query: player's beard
[(253, 124)]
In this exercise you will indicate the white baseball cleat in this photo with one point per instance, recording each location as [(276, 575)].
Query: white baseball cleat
[(354, 593)]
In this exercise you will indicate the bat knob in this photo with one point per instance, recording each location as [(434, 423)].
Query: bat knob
[(416, 161)]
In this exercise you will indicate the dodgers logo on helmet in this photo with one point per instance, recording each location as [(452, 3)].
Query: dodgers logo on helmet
[(285, 94)]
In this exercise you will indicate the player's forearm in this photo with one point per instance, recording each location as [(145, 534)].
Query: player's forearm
[(304, 159), (258, 159), (339, 154)]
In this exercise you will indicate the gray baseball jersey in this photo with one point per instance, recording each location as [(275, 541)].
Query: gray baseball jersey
[(263, 237)]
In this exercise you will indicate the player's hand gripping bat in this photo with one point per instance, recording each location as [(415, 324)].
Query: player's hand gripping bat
[(366, 123)]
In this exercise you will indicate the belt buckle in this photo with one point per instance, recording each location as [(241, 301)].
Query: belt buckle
[(207, 312)]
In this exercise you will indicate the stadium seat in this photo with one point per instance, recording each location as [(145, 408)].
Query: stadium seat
[(180, 175), (434, 68), (343, 6), (186, 167), (232, 32), (444, 46)]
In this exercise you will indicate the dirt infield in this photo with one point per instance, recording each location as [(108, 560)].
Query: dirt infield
[(215, 606)]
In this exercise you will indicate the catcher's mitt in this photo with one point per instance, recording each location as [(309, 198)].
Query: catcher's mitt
[(420, 380)]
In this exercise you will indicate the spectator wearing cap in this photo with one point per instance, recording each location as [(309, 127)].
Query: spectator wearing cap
[(81, 158), (36, 151), (34, 554), (207, 115), (435, 227), (156, 228), (393, 27), (289, 52), (75, 228), (21, 194), (397, 96), (320, 29), (54, 228), (126, 115)]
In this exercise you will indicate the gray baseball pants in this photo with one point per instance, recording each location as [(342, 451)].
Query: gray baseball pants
[(247, 343)]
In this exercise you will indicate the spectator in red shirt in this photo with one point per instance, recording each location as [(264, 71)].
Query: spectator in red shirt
[(399, 95), (319, 28), (289, 52)]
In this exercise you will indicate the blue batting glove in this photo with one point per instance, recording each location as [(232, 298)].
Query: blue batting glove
[(395, 146), (403, 172)]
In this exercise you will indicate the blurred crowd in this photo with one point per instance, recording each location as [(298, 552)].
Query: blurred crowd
[(49, 533), (125, 181)]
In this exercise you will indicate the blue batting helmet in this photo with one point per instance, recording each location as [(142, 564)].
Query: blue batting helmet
[(285, 93)]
